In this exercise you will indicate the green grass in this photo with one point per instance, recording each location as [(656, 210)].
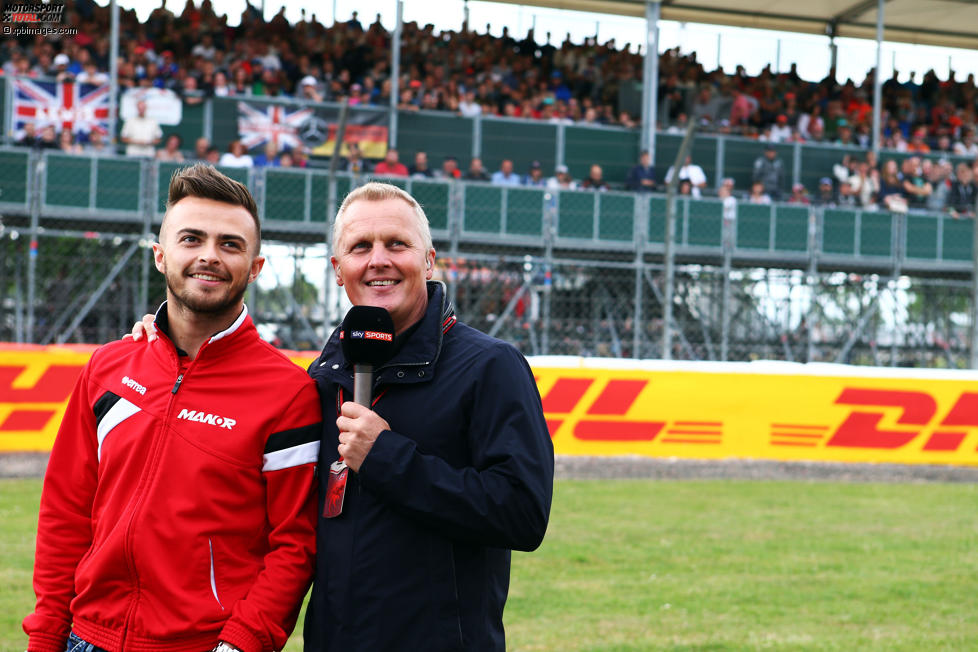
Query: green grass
[(701, 565)]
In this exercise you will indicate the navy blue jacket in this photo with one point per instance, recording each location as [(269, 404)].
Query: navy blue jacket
[(420, 557)]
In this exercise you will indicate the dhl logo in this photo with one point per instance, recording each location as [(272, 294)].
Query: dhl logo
[(883, 419), (32, 394), (604, 417), (644, 412), (861, 427)]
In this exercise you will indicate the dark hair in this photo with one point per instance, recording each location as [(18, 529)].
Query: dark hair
[(204, 181)]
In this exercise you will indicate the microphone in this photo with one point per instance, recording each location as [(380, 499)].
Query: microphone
[(367, 339)]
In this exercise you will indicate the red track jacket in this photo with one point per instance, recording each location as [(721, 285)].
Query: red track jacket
[(179, 509)]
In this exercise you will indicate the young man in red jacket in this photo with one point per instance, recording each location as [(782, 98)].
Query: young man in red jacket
[(178, 510)]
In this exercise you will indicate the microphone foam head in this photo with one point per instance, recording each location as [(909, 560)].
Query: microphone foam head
[(367, 335)]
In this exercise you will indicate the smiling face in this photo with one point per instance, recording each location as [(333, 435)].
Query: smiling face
[(381, 259), (208, 254)]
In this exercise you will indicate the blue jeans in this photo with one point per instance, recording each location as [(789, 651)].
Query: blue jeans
[(76, 644)]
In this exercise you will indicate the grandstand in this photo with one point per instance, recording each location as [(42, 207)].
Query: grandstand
[(558, 271)]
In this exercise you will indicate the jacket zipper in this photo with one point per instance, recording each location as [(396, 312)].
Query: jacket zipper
[(147, 476)]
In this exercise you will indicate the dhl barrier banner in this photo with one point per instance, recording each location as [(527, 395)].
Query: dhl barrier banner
[(599, 407)]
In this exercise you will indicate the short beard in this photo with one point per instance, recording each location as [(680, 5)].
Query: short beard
[(205, 307)]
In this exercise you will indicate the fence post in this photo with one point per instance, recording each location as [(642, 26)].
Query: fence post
[(456, 206), (815, 221), (670, 249), (149, 173), (729, 235), (39, 165), (641, 213), (974, 291)]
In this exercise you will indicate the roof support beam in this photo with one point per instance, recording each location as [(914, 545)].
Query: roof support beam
[(854, 12), (650, 78), (878, 79)]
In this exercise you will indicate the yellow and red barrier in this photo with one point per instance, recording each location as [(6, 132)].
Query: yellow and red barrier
[(655, 409)]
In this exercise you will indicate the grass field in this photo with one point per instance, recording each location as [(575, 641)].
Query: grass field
[(701, 565)]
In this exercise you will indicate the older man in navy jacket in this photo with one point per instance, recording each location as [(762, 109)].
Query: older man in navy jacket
[(452, 466)]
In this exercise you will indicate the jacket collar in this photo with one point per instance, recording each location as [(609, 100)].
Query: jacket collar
[(420, 350), (241, 324)]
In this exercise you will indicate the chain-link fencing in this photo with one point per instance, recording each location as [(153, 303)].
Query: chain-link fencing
[(554, 272)]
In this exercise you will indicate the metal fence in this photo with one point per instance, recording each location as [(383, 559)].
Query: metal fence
[(442, 134), (568, 273)]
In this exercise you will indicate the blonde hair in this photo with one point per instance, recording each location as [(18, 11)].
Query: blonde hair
[(376, 191)]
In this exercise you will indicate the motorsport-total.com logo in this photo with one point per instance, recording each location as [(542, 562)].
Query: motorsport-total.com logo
[(37, 18)]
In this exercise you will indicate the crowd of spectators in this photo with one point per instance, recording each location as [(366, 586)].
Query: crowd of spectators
[(195, 53)]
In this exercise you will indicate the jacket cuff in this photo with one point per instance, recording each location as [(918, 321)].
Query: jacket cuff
[(242, 638), (39, 642)]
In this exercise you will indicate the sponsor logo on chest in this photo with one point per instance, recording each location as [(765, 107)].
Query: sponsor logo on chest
[(133, 385), (205, 417)]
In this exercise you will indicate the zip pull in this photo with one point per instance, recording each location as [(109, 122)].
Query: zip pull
[(176, 385)]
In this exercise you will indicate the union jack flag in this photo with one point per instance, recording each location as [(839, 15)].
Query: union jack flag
[(66, 105), (274, 123)]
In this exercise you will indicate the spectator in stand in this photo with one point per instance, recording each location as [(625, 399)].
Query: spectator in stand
[(595, 180), (769, 171), (96, 144), (799, 194), (846, 197), (561, 180), (963, 193), (826, 195), (190, 93), (781, 131), (449, 169), (237, 156), (391, 166), (420, 169), (916, 187), (468, 106), (844, 133), (213, 155), (741, 110), (967, 146), (221, 86), (67, 144), (706, 107), (811, 125), (28, 136), (939, 178), (201, 145), (535, 177), (864, 184), (171, 151), (685, 188), (641, 176), (48, 138), (299, 154), (60, 71), (890, 195), (91, 75), (268, 157), (918, 143), (353, 163), (476, 170), (309, 89), (141, 133), (692, 172), (757, 194), (505, 176)]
